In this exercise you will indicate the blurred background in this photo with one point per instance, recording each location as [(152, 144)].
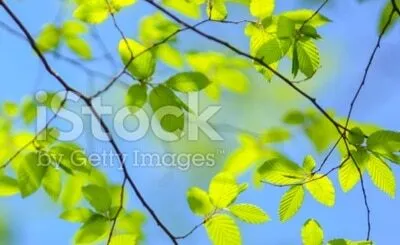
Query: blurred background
[(345, 48)]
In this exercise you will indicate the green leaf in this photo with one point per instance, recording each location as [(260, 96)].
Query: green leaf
[(142, 65), (321, 188), (170, 56), (124, 239), (281, 172), (285, 28), (249, 213), (356, 136), (309, 163), (186, 82), (295, 60), (223, 190), (28, 110), (319, 130), (77, 215), (190, 9), (168, 109), (274, 50), (30, 172), (48, 39), (232, 79), (310, 31), (275, 135), (10, 108), (291, 202), (80, 47), (8, 186), (199, 201), (348, 242), (385, 143), (385, 15), (155, 28), (99, 197), (117, 5), (93, 12), (301, 15), (136, 97), (132, 223), (262, 8), (70, 156), (52, 183), (72, 29), (348, 173), (308, 57), (93, 230), (72, 192), (381, 175), (216, 10), (312, 233), (294, 117), (222, 230)]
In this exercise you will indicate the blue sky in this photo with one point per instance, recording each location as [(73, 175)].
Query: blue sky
[(345, 49)]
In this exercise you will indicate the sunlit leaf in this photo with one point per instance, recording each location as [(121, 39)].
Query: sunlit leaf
[(249, 213), (123, 239), (381, 175), (78, 215), (184, 7), (72, 191), (73, 29), (49, 38), (223, 190), (291, 202), (312, 233), (188, 82), (52, 183), (222, 230), (273, 50), (136, 97), (93, 230), (30, 172), (322, 189), (302, 15), (281, 172), (348, 173), (8, 186), (167, 108), (99, 197), (308, 57), (141, 62), (309, 163), (170, 56), (262, 8), (216, 9), (80, 47), (385, 15), (199, 201)]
